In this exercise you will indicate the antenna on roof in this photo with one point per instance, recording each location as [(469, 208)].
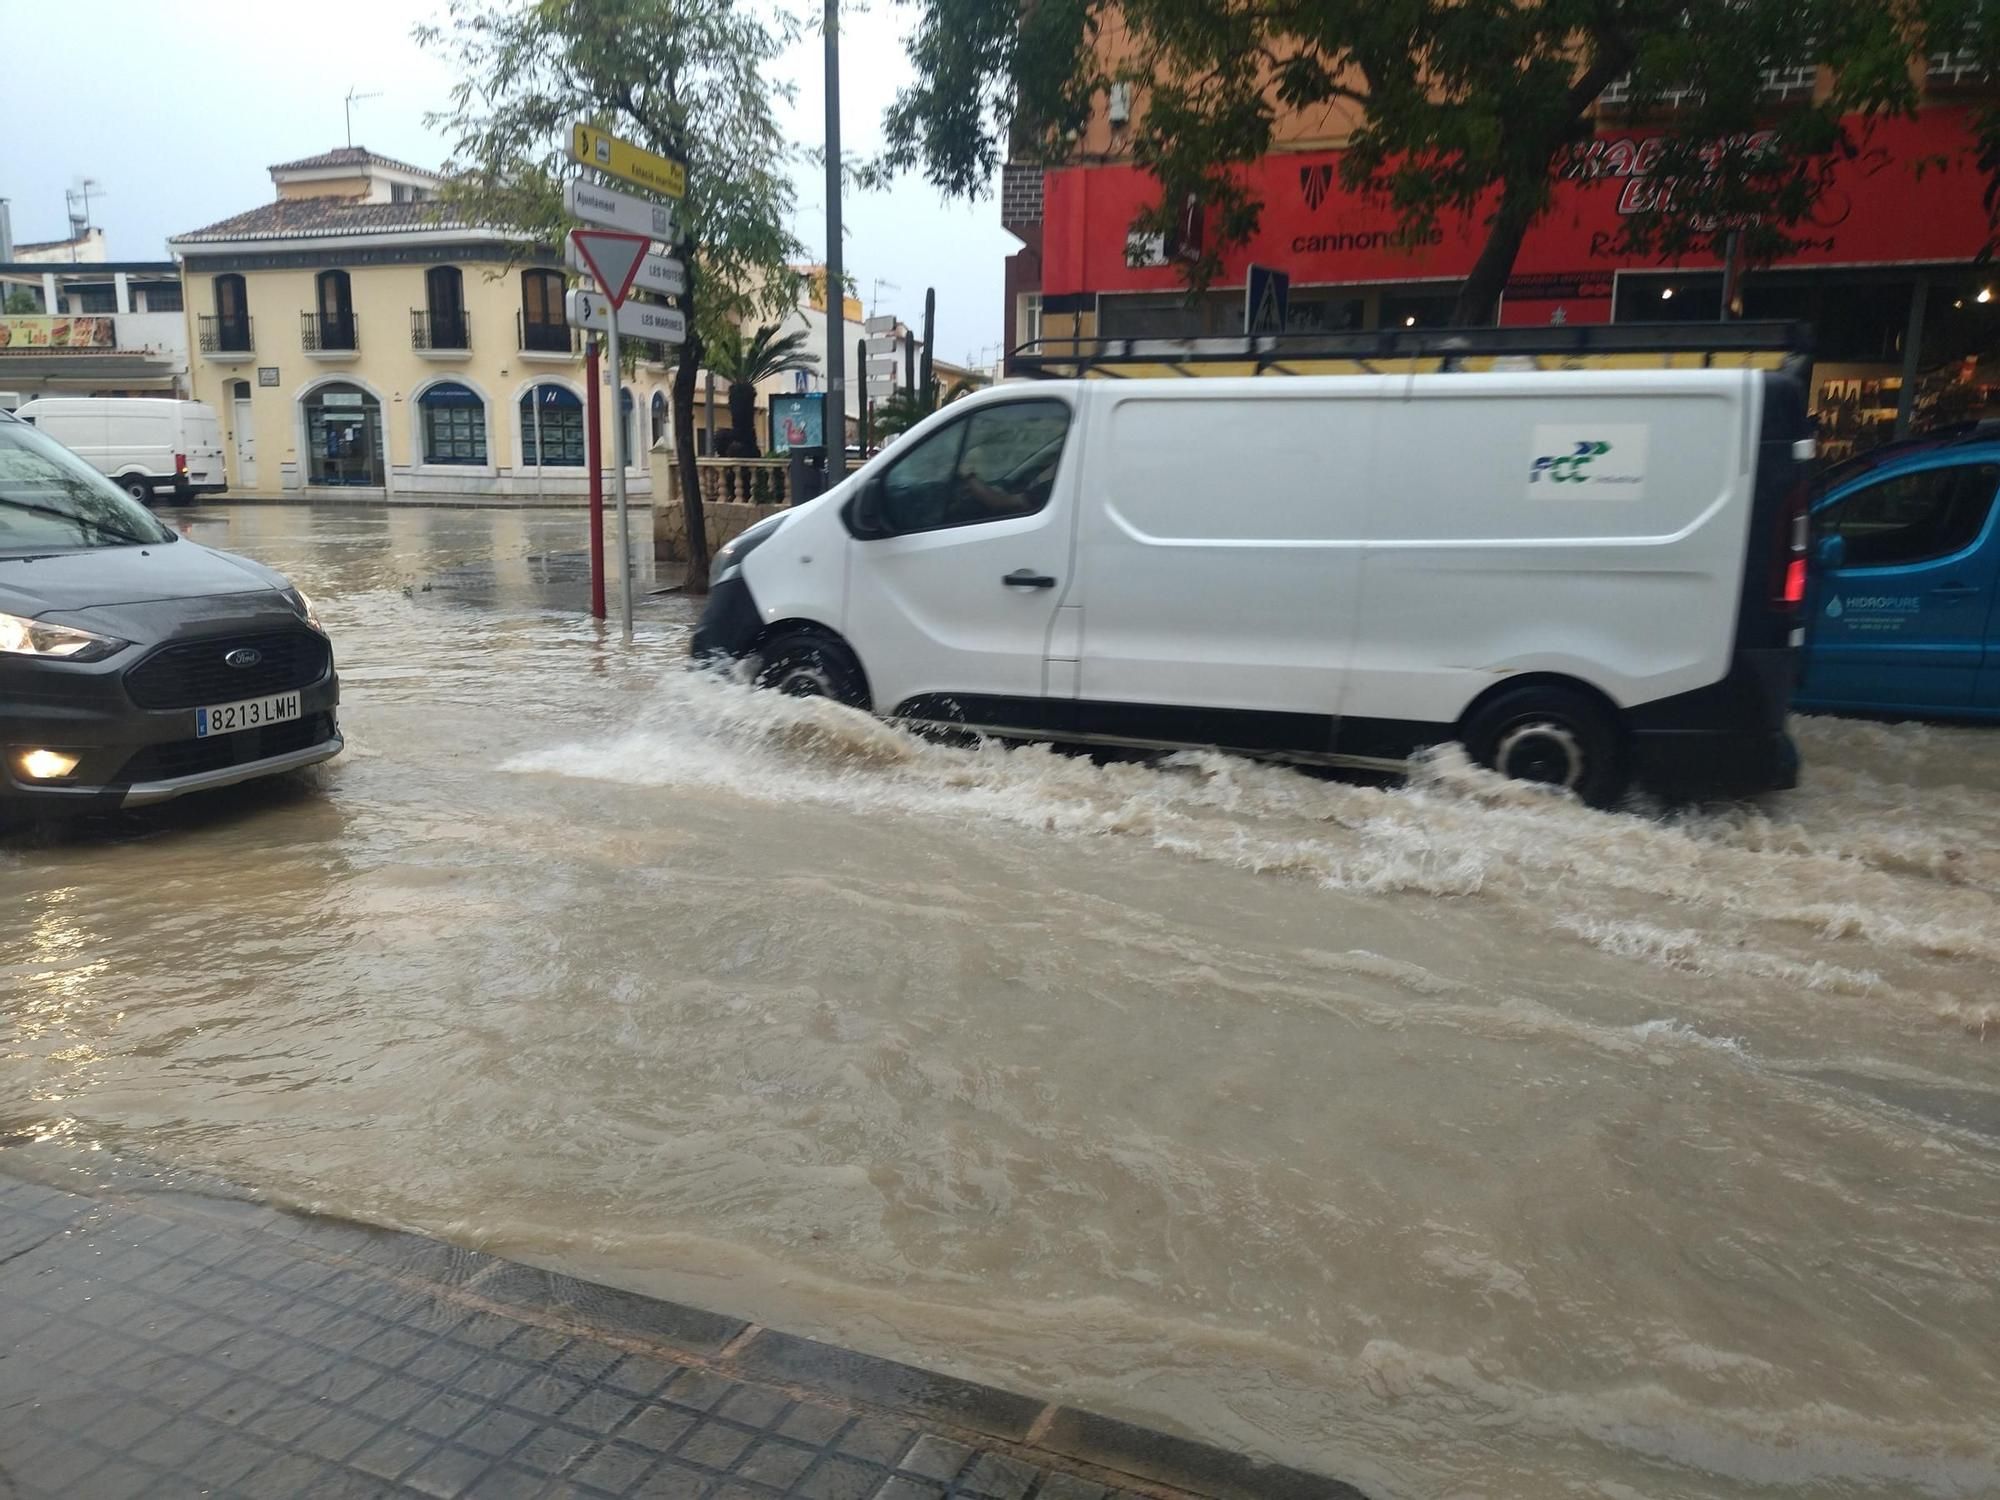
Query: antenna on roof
[(352, 96)]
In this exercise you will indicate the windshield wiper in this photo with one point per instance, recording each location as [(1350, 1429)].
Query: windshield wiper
[(76, 520)]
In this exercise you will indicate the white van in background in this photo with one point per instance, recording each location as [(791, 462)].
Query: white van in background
[(1587, 577), (144, 444)]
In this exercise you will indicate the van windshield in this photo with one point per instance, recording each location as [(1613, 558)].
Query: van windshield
[(51, 500)]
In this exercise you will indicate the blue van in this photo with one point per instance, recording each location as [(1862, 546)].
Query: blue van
[(1904, 612)]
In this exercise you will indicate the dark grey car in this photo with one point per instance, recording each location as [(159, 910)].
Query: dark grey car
[(135, 665)]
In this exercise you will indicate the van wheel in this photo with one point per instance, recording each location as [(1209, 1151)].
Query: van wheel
[(138, 487), (811, 666), (1552, 736)]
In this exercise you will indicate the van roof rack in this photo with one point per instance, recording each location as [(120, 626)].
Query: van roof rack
[(1402, 350)]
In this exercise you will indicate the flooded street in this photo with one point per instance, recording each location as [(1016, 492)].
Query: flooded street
[(1453, 1139)]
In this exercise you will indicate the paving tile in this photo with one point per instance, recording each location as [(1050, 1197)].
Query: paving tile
[(698, 1389), (639, 1375), (509, 1483), (813, 1424), (447, 1473), (394, 1452), (496, 1433), (902, 1487), (1130, 1449), (876, 1439), (753, 1406), (338, 1436), (657, 1428), (288, 1418), (614, 1467), (598, 1410), (933, 1457), (545, 1394), (119, 1480), (444, 1414), (394, 1398), (775, 1462), (551, 1450), (840, 1479), (994, 1477), (714, 1445), (491, 1379)]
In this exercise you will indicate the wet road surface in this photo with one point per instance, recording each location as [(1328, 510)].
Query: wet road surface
[(1451, 1139)]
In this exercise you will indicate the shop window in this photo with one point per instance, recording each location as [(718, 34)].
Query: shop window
[(544, 323), (164, 296), (1913, 518), (343, 436), (552, 428), (454, 423)]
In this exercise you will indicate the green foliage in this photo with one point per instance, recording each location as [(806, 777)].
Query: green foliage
[(20, 301), (682, 77), (1451, 106), (765, 353), (896, 414)]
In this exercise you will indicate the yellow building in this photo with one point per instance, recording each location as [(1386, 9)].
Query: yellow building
[(357, 340)]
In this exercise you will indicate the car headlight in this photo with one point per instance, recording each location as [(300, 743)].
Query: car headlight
[(729, 561), (300, 601), (20, 636)]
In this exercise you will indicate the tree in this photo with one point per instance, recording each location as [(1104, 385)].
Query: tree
[(744, 362), (20, 301), (897, 414), (682, 77), (1473, 107)]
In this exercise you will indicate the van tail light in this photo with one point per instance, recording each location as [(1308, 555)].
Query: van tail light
[(181, 464), (1788, 559)]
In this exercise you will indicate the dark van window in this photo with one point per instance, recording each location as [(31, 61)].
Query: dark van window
[(1913, 518), (998, 463)]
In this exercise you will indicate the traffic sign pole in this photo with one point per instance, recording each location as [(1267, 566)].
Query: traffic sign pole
[(593, 455), (618, 485)]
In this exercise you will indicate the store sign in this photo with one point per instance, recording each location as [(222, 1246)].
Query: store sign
[(1910, 193), (18, 333), (798, 421)]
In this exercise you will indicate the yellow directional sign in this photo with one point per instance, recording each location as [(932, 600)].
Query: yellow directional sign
[(649, 170)]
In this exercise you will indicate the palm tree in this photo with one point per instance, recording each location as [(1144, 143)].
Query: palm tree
[(743, 363), (895, 415)]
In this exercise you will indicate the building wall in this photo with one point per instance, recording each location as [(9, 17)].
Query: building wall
[(356, 186), (396, 374)]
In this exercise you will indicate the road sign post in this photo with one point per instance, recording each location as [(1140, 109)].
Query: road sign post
[(1267, 296)]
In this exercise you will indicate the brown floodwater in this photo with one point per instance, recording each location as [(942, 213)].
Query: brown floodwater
[(1451, 1138)]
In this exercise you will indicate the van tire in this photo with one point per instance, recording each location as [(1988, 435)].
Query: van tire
[(1551, 735), (139, 487), (803, 665)]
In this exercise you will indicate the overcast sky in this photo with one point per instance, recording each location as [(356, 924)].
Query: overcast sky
[(205, 94)]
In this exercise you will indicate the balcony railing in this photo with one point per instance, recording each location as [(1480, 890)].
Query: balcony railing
[(439, 330), (537, 337), (319, 335), (220, 335)]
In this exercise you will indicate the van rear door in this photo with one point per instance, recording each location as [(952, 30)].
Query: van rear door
[(1901, 623), (1219, 551), (962, 550)]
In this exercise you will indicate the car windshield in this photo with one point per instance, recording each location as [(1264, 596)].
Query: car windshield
[(51, 500)]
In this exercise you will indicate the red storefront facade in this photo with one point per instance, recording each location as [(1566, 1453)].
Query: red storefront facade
[(1890, 253)]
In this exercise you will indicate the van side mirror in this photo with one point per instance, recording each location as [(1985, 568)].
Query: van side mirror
[(1832, 550), (864, 516)]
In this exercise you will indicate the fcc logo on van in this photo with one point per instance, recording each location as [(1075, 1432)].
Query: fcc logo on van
[(1604, 461)]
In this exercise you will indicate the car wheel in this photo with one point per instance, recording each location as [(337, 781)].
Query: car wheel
[(812, 666), (1552, 736), (138, 487)]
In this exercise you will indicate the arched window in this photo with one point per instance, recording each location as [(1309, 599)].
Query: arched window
[(444, 292), (544, 324), (551, 428), (231, 329), (454, 422), (625, 410), (661, 419), (333, 326)]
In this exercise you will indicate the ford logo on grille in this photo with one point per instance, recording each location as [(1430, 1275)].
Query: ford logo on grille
[(244, 656)]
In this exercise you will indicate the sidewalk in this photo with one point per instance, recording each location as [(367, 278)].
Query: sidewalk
[(159, 1341)]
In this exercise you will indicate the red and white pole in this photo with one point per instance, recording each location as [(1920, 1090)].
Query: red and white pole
[(593, 456)]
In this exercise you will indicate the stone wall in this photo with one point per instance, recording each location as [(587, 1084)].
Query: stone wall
[(736, 493)]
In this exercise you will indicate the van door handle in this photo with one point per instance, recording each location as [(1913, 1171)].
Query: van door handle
[(1027, 578), (1953, 590)]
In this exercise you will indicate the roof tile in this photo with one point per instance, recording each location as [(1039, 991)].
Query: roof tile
[(302, 218), (348, 156)]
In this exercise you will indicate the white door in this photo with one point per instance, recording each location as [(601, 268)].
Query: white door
[(246, 445), (950, 602)]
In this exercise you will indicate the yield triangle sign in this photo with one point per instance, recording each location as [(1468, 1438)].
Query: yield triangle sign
[(613, 259)]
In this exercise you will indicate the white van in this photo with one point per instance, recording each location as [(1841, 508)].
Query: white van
[(1588, 577), (144, 444)]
